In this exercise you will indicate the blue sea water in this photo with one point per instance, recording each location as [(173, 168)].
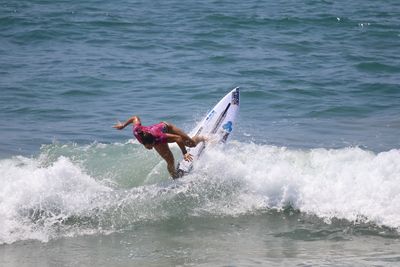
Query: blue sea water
[(311, 175)]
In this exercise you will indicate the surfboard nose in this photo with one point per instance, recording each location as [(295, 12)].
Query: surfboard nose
[(235, 96)]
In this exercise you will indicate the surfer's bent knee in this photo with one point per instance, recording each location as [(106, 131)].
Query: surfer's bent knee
[(190, 143)]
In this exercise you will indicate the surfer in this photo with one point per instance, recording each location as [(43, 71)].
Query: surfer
[(158, 136)]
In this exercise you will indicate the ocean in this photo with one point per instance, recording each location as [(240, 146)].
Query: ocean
[(310, 176)]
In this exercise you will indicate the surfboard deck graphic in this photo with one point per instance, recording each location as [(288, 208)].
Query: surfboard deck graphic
[(217, 125)]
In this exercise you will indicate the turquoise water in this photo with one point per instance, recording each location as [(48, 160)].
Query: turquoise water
[(311, 174)]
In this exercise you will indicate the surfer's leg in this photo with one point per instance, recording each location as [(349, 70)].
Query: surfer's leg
[(166, 154), (175, 130), (197, 139), (189, 142)]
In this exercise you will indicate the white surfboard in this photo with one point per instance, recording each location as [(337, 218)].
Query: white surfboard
[(217, 125)]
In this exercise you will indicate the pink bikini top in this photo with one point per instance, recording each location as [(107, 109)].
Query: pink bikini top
[(157, 131)]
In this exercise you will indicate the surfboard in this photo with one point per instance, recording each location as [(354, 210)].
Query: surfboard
[(217, 125)]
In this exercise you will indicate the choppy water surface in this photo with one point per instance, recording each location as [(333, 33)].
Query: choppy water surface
[(310, 177)]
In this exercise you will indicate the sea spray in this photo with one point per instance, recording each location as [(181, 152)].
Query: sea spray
[(73, 190), (348, 183), (36, 199)]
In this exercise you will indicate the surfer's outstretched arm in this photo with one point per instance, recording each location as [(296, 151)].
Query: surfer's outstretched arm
[(133, 119)]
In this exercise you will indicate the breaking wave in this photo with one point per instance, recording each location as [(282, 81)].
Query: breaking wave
[(70, 190)]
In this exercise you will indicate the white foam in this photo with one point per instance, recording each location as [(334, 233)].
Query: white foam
[(348, 183), (37, 199), (27, 188)]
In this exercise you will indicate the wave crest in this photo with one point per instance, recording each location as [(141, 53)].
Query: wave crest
[(73, 190)]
